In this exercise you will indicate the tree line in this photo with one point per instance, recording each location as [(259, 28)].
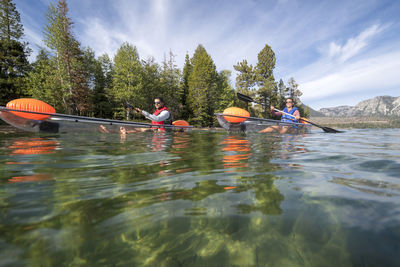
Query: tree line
[(73, 80)]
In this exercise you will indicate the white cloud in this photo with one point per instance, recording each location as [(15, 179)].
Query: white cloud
[(373, 74), (101, 38), (343, 74), (33, 37), (35, 41), (354, 45)]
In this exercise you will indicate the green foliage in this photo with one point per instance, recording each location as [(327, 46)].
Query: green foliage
[(293, 90), (204, 92), (10, 21), (187, 70), (306, 112), (151, 82), (97, 82), (127, 79), (245, 81), (42, 82), (102, 99), (267, 88), (295, 93), (170, 82), (13, 67), (265, 65), (71, 73), (228, 96), (13, 53)]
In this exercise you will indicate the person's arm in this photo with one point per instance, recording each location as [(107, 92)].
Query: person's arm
[(160, 117), (296, 113), (275, 113)]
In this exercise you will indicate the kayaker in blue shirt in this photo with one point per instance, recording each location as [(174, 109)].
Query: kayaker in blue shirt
[(285, 118)]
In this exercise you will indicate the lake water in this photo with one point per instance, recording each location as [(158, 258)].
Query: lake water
[(200, 199)]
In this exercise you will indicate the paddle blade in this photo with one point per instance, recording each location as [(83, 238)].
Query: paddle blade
[(127, 105), (244, 97), (330, 130), (325, 129)]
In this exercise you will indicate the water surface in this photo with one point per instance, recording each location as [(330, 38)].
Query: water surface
[(200, 199)]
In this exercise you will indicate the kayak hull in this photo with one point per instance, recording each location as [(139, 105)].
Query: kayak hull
[(258, 124), (62, 124)]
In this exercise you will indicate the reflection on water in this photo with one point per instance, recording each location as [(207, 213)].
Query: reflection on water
[(32, 146), (200, 198), (238, 148), (30, 178)]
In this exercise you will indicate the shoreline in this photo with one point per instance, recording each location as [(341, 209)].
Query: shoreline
[(357, 122)]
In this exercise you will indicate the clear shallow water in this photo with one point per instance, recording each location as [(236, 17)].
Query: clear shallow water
[(201, 198)]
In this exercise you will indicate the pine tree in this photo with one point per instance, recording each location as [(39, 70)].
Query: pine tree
[(282, 92), (13, 53), (203, 88), (170, 83), (264, 76), (150, 80), (107, 68), (127, 79), (98, 81), (228, 97), (295, 93), (245, 81), (74, 92), (81, 99), (10, 21), (187, 70), (42, 82), (293, 90), (103, 99)]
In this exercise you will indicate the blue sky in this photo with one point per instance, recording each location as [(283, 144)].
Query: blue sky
[(340, 52)]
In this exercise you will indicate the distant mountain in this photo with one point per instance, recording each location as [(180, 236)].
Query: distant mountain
[(313, 112), (378, 106)]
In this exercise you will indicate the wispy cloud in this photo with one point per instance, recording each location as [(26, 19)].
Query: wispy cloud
[(362, 76), (353, 45)]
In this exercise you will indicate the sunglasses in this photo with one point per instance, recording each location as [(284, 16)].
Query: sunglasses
[(289, 101), (157, 103)]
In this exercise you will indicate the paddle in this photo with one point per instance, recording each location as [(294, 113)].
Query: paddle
[(247, 98), (324, 128), (128, 105)]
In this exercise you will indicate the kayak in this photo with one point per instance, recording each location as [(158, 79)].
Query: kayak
[(252, 124), (62, 123)]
